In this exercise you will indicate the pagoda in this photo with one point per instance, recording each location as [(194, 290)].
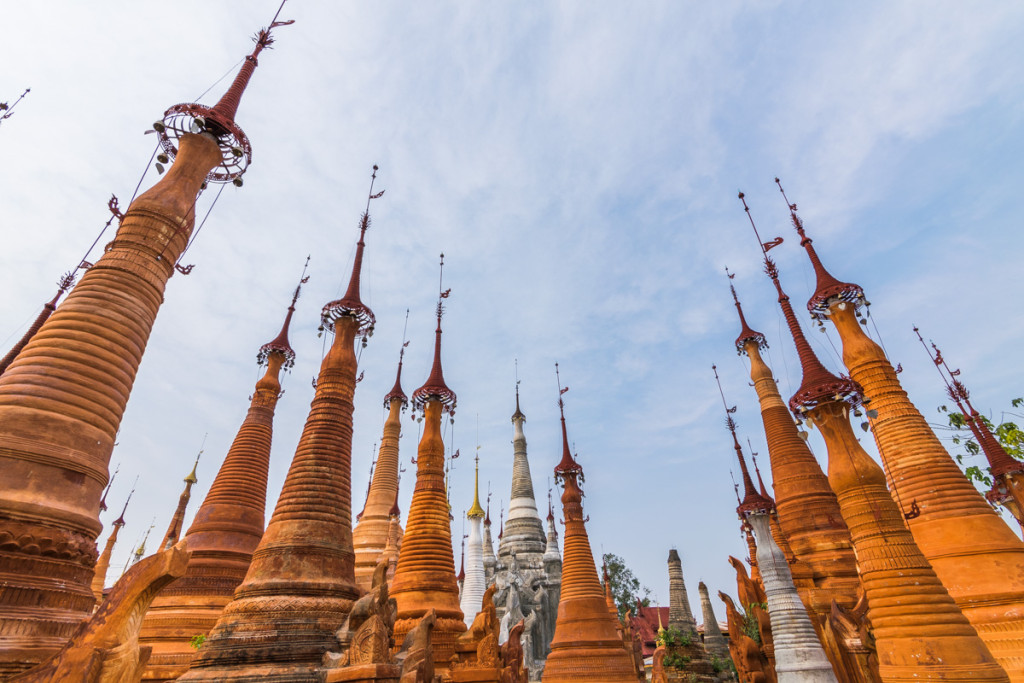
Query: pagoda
[(521, 571), (1007, 473), (679, 614), (300, 585), (473, 582), (227, 527), (63, 397), (99, 579), (178, 518), (798, 654), (974, 553), (373, 529), (490, 561), (425, 575), (586, 645), (919, 634), (807, 509), (716, 644)]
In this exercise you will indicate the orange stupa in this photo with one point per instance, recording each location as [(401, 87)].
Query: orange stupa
[(586, 645), (974, 553), (1007, 473), (425, 575), (99, 579), (301, 584), (63, 397), (370, 536), (63, 285), (173, 532), (226, 529), (919, 632)]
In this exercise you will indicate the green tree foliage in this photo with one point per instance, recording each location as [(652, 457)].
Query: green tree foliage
[(626, 588), (1007, 433)]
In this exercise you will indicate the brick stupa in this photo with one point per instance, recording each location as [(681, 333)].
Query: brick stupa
[(425, 575), (62, 398), (586, 645), (227, 527), (1007, 473), (807, 508), (300, 586), (370, 537), (974, 553)]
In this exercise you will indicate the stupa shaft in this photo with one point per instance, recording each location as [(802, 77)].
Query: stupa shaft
[(99, 579), (425, 575), (715, 642), (523, 533), (61, 403), (679, 614), (371, 533), (920, 634)]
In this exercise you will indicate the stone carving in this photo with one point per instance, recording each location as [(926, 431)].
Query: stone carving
[(416, 655), (512, 656), (105, 649), (367, 636), (658, 666), (752, 665)]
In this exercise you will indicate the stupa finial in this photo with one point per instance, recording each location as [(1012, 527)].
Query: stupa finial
[(219, 120), (828, 289), (396, 392), (818, 385), (752, 500), (999, 460), (568, 464), (103, 500), (120, 520), (475, 511), (351, 305), (518, 415), (747, 334), (191, 477), (435, 388), (280, 343)]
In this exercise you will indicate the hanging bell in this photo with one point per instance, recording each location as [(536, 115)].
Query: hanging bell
[(237, 151), (163, 158), (237, 182), (872, 414), (159, 168), (864, 321), (159, 127), (864, 426)]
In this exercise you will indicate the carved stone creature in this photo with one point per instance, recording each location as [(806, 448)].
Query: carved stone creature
[(658, 666), (105, 649), (417, 654), (367, 635), (751, 663), (512, 656), (486, 621)]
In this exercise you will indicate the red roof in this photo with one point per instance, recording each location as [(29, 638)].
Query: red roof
[(645, 625)]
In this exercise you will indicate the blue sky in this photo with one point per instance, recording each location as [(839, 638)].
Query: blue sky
[(578, 164)]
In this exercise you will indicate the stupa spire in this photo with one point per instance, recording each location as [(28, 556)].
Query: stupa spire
[(178, 518), (752, 500), (524, 536), (63, 285), (983, 569), (99, 579), (425, 576), (1007, 473), (103, 500), (586, 645), (300, 585), (227, 527), (747, 334), (373, 529), (219, 121), (91, 346)]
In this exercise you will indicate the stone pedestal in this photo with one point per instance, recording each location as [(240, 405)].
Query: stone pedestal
[(365, 673)]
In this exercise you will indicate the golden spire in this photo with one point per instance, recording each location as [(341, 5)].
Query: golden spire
[(476, 512)]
